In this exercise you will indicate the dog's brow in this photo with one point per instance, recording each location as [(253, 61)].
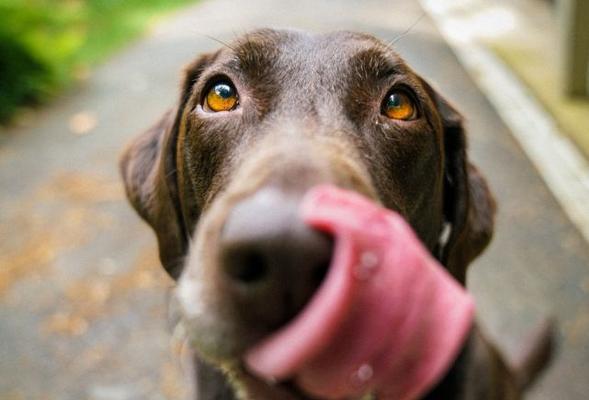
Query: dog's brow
[(375, 63), (253, 56)]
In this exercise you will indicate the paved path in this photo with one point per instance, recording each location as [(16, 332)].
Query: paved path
[(82, 298)]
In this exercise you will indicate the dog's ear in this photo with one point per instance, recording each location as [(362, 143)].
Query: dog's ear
[(469, 207), (148, 168)]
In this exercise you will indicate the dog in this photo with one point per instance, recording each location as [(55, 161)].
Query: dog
[(258, 123)]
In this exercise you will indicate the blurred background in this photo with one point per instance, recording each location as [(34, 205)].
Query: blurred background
[(82, 295)]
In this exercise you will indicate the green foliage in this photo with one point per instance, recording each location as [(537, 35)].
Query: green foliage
[(44, 44)]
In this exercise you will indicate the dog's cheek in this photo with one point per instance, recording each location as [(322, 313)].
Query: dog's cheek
[(406, 166), (204, 155)]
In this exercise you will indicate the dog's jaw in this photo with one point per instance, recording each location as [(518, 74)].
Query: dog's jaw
[(358, 222)]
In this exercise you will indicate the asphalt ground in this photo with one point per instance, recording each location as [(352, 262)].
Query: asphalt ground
[(83, 299)]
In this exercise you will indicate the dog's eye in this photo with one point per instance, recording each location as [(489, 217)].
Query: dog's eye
[(398, 105), (222, 96)]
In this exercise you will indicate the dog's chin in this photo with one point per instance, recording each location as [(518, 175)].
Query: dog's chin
[(222, 346), (225, 351), (228, 359), (250, 387), (246, 385)]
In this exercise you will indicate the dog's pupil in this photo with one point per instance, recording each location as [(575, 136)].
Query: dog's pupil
[(224, 90), (394, 101)]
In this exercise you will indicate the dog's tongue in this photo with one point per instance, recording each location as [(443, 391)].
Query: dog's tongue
[(388, 319)]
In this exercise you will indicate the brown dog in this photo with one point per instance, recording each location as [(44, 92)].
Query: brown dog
[(258, 123)]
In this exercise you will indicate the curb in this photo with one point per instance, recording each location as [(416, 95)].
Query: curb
[(560, 164)]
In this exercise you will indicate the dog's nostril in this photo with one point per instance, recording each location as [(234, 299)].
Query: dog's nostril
[(318, 273), (248, 268)]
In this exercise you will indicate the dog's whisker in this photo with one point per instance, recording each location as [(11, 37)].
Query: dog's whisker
[(221, 42), (189, 234), (172, 172), (406, 31)]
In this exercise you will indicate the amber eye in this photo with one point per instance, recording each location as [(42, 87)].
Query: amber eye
[(398, 105), (222, 96)]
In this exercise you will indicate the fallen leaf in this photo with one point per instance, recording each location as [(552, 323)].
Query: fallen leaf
[(83, 123)]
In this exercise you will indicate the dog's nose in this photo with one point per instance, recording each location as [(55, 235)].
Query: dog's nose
[(271, 261)]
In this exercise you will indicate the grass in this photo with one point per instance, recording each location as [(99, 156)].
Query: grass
[(46, 44)]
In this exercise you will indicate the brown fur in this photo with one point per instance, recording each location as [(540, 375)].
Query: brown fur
[(309, 113)]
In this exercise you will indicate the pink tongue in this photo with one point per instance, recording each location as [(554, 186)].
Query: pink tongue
[(387, 319)]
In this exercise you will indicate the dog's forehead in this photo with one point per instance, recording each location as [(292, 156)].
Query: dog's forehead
[(298, 51), (345, 42)]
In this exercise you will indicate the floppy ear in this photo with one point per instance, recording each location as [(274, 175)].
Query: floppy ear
[(469, 207), (148, 168)]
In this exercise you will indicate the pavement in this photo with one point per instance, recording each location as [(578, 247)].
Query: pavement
[(83, 299)]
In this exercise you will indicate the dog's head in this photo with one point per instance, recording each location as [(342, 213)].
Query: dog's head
[(261, 121)]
